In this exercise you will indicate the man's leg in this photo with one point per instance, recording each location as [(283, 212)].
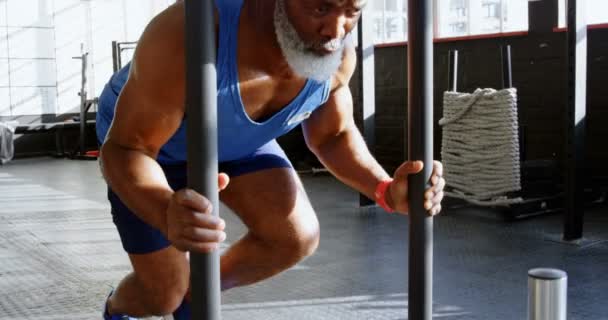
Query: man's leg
[(283, 228), (160, 276), (268, 196), (156, 287)]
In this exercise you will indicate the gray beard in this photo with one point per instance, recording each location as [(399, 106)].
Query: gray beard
[(300, 58)]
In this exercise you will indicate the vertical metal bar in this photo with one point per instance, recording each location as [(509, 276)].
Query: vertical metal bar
[(114, 56), (83, 102), (453, 71), (119, 56), (365, 52), (575, 120), (201, 104), (420, 147), (547, 294), (507, 82), (507, 72)]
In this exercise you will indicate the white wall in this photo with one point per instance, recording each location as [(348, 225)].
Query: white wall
[(597, 11), (516, 13), (39, 38)]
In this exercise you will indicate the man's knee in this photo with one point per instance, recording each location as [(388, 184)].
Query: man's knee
[(164, 277), (307, 242), (299, 242), (165, 296)]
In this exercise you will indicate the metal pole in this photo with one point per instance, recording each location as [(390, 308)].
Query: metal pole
[(453, 71), (420, 147), (119, 56), (83, 102), (547, 294), (576, 121), (115, 53), (201, 104), (507, 73), (365, 53)]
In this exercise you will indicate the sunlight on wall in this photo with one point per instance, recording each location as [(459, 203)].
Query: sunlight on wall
[(40, 38)]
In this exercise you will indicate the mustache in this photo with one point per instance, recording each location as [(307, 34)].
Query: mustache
[(331, 45)]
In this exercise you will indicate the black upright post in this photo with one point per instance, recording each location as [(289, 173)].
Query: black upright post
[(542, 16), (201, 104), (115, 53), (507, 73), (83, 104), (575, 120), (119, 56), (365, 54), (453, 71), (420, 145)]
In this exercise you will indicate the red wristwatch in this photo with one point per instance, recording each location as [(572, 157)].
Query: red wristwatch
[(381, 193)]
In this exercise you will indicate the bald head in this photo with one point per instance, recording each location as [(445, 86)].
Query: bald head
[(352, 3)]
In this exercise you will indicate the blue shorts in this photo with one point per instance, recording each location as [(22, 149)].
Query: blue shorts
[(138, 237)]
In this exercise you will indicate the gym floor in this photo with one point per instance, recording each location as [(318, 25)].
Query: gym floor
[(60, 255)]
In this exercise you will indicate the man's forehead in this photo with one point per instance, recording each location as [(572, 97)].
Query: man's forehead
[(354, 3)]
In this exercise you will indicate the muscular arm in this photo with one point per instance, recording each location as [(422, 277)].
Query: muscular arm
[(331, 134), (148, 112)]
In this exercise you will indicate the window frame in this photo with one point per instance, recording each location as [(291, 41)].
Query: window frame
[(465, 16)]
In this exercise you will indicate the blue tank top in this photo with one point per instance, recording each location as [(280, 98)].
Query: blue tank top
[(238, 135)]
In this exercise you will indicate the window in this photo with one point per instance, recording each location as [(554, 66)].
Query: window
[(458, 8), (460, 12), (454, 18), (39, 75), (390, 20), (491, 9), (458, 28), (456, 4), (471, 17), (597, 12), (392, 5)]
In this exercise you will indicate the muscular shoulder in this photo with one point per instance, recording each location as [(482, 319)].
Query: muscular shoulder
[(349, 62), (159, 56)]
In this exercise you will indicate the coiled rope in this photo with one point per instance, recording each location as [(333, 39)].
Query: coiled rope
[(480, 146)]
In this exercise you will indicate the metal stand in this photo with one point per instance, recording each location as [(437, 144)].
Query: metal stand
[(539, 183), (85, 106), (420, 147), (117, 50), (201, 104), (576, 121), (507, 74), (365, 55), (453, 71)]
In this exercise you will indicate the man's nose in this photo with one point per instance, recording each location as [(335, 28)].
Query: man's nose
[(334, 27)]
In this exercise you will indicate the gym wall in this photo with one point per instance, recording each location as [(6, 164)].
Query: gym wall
[(39, 38), (539, 74), (39, 77)]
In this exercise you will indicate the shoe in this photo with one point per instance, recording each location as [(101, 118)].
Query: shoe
[(107, 316)]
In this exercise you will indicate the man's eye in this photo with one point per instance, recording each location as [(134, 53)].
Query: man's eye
[(353, 12), (322, 10)]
